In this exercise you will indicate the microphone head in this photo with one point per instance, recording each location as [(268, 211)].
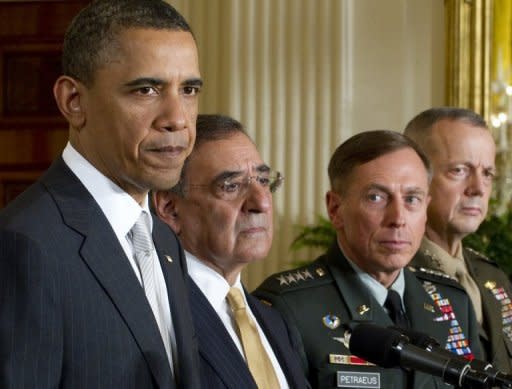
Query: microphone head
[(376, 344), (417, 338)]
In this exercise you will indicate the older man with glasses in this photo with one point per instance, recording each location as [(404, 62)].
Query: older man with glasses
[(221, 210)]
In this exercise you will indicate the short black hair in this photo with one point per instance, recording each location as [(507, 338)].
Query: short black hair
[(365, 147), (92, 35)]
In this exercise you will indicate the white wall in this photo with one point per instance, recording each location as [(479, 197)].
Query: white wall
[(304, 75)]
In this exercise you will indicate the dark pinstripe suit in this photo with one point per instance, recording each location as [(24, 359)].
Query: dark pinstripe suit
[(222, 366), (72, 312)]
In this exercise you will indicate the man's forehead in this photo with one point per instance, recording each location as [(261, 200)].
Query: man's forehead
[(408, 171), (230, 154)]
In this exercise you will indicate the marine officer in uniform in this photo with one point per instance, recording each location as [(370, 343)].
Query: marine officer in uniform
[(462, 151), (377, 204)]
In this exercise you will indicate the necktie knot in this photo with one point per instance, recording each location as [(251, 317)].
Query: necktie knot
[(393, 304)]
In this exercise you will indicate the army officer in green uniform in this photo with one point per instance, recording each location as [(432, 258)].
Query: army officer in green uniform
[(462, 151), (377, 204)]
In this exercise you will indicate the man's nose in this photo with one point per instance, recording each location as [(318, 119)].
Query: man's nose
[(395, 214), (476, 185), (173, 114), (258, 198)]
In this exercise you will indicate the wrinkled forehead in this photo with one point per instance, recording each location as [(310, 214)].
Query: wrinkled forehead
[(402, 168), (234, 154), (461, 141)]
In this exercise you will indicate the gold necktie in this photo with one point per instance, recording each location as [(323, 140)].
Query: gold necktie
[(257, 358), (462, 275)]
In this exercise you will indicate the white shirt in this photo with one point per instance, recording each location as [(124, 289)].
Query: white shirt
[(216, 288), (121, 211)]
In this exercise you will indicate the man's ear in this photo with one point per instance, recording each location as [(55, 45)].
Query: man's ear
[(68, 95), (165, 204), (333, 204)]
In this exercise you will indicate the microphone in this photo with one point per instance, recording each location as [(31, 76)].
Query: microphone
[(497, 378), (389, 348)]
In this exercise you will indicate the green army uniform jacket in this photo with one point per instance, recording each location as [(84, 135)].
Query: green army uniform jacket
[(496, 294), (319, 300)]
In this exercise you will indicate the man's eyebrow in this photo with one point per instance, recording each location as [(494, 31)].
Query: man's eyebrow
[(222, 176), (145, 81), (375, 186), (263, 168), (193, 82), (408, 190), (415, 190)]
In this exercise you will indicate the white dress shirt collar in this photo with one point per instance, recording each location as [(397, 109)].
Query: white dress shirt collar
[(378, 291), (120, 209)]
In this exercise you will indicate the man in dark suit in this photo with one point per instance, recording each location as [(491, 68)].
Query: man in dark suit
[(377, 204), (92, 289), (221, 210), (462, 151)]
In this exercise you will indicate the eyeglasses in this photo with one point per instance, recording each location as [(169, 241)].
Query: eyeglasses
[(237, 187)]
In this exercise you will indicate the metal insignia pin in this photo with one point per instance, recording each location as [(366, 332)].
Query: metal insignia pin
[(428, 307), (490, 284), (320, 271), (331, 321), (362, 309), (169, 258)]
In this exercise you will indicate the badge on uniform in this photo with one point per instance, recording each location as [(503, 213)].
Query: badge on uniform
[(331, 321), (362, 309)]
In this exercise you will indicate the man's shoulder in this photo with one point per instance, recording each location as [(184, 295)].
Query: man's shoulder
[(312, 275), (434, 276), (474, 255)]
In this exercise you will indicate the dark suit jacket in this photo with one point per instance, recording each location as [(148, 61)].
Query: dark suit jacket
[(496, 334), (327, 288), (72, 312), (222, 366)]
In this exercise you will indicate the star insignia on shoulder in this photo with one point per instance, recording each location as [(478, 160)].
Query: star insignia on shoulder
[(437, 273), (282, 280), (307, 274), (299, 276), (479, 254), (290, 278)]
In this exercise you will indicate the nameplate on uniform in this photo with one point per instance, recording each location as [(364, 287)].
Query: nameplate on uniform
[(357, 379)]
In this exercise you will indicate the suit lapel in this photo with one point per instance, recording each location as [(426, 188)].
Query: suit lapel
[(107, 261), (215, 344), (172, 260)]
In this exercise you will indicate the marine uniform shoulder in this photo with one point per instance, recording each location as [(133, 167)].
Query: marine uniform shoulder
[(478, 255), (308, 276), (435, 276)]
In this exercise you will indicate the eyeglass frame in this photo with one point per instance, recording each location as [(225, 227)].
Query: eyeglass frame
[(276, 179)]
